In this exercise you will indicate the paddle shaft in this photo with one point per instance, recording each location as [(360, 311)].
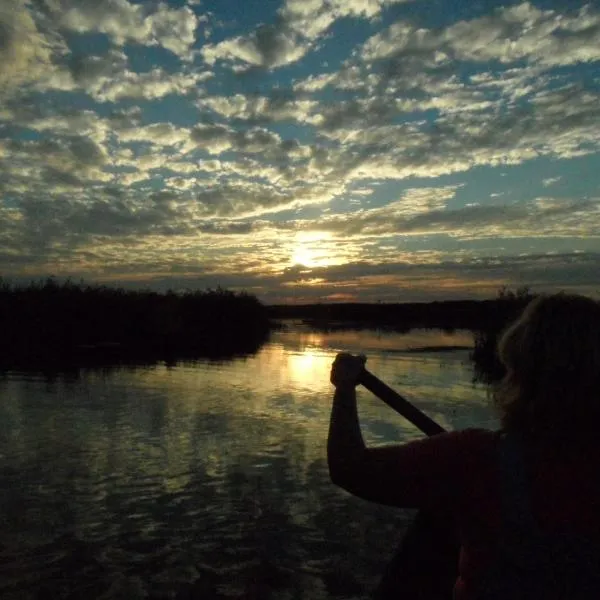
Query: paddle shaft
[(400, 405)]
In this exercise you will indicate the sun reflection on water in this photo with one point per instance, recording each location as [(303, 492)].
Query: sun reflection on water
[(192, 460), (308, 367)]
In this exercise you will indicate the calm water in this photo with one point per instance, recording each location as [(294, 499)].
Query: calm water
[(208, 480)]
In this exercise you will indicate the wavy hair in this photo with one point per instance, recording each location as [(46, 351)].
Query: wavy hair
[(551, 390)]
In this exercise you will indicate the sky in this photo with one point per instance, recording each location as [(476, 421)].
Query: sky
[(302, 150)]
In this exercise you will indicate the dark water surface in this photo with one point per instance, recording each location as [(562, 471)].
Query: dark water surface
[(209, 480)]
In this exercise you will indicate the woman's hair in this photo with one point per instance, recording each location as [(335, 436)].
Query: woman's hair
[(551, 390)]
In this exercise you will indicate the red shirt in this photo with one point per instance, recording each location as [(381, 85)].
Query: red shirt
[(456, 472)]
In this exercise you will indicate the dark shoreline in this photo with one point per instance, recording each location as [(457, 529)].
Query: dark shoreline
[(486, 319), (52, 327), (474, 315)]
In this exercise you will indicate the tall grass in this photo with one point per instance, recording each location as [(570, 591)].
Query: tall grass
[(48, 320)]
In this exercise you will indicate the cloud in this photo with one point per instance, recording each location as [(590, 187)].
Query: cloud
[(124, 22), (436, 278), (161, 134), (25, 52), (424, 212), (32, 51), (299, 24), (216, 139), (268, 47), (526, 32), (509, 35), (239, 199), (350, 77), (562, 124), (170, 155), (125, 186), (115, 231), (150, 85), (262, 109), (76, 157), (358, 113), (312, 18), (444, 278), (550, 181)]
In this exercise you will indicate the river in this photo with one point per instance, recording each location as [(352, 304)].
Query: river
[(209, 480)]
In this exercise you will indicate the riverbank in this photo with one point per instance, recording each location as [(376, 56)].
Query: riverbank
[(486, 319), (52, 325), (475, 315), (67, 324)]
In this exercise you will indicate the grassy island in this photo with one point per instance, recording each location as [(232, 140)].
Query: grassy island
[(54, 324)]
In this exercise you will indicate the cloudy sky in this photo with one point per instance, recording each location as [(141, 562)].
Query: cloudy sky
[(302, 150)]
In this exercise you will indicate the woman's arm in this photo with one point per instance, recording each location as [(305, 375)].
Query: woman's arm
[(429, 472), (345, 445)]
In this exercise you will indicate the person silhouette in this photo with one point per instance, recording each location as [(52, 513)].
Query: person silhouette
[(493, 502)]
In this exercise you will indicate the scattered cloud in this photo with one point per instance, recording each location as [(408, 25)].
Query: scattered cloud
[(123, 21), (25, 52), (551, 181), (107, 78), (414, 151), (263, 109), (268, 47), (522, 31), (298, 26)]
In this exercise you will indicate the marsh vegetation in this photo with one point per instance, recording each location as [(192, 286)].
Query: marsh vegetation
[(52, 323)]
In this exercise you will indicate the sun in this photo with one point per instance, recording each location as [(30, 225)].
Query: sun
[(311, 249), (304, 256)]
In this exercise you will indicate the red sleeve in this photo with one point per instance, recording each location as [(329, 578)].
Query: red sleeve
[(431, 473)]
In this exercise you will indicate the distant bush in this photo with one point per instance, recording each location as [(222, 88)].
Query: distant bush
[(508, 306), (52, 321)]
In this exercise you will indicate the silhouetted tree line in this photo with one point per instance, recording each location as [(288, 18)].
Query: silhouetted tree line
[(402, 317), (485, 318), (49, 322)]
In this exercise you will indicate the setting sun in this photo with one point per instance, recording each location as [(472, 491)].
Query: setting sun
[(304, 256), (312, 249)]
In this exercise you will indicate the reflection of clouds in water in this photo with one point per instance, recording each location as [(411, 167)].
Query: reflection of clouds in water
[(194, 460), (300, 337), (158, 423), (439, 384), (288, 381)]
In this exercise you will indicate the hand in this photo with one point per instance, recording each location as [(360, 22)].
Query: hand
[(347, 369)]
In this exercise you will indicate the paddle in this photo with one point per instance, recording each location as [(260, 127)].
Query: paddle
[(424, 564), (399, 404)]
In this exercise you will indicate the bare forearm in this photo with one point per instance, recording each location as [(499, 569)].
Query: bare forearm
[(345, 445)]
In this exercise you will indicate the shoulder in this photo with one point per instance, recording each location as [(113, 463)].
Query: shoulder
[(471, 453), (465, 451), (475, 470), (467, 440), (480, 438), (475, 435)]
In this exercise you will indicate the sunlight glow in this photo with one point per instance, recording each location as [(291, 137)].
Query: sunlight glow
[(307, 367), (312, 249), (304, 256)]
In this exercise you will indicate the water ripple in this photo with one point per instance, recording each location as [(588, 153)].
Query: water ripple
[(202, 481)]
